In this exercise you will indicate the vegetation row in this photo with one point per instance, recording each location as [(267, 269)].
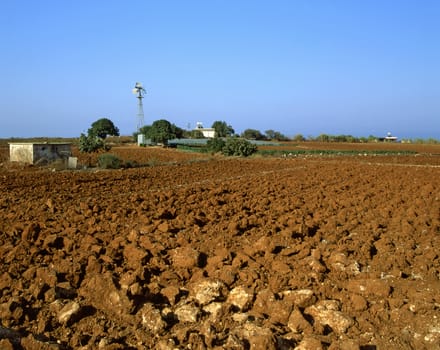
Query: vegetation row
[(226, 141)]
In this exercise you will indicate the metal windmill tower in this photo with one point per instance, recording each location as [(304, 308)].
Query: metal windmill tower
[(139, 91)]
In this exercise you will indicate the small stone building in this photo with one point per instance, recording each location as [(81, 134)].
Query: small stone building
[(34, 153)]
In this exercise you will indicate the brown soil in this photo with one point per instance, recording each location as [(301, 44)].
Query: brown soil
[(203, 252)]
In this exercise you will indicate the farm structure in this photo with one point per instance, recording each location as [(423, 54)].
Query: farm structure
[(388, 138), (33, 153), (207, 132)]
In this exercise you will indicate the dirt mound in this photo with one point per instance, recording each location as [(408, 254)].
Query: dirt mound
[(334, 253)]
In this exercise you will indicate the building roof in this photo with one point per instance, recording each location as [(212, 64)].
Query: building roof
[(39, 143)]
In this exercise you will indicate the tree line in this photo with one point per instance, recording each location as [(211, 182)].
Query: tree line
[(161, 131)]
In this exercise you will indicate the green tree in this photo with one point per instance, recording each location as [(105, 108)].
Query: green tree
[(161, 131), (276, 135), (323, 138), (270, 134), (298, 138), (252, 134), (222, 129), (144, 130), (178, 132), (195, 134), (96, 134), (102, 128)]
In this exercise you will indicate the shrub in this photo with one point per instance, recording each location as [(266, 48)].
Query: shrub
[(215, 145), (130, 164), (109, 161), (90, 143), (298, 137), (239, 147), (253, 134), (153, 162), (94, 140)]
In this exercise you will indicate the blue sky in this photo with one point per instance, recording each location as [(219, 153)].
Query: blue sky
[(295, 66)]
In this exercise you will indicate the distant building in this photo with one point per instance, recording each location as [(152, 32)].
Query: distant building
[(388, 138), (34, 153), (207, 132)]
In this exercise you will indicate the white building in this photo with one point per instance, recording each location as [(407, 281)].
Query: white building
[(388, 138), (31, 152), (207, 132)]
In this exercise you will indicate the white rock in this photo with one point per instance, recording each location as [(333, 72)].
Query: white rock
[(339, 261), (327, 312), (207, 291), (354, 268), (315, 265), (240, 298), (240, 317), (70, 309), (250, 329), (214, 310), (151, 318), (259, 338), (434, 335), (299, 297), (187, 313), (104, 342)]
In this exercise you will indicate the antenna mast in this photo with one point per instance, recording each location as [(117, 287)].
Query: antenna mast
[(139, 91)]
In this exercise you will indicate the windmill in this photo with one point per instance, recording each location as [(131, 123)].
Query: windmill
[(139, 91)]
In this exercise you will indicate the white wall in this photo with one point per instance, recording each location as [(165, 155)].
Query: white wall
[(32, 152)]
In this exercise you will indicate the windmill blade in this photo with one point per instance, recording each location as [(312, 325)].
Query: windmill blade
[(135, 91)]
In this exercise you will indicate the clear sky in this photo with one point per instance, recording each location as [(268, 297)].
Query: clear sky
[(296, 66)]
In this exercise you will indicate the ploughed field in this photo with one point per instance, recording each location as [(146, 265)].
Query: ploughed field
[(205, 252)]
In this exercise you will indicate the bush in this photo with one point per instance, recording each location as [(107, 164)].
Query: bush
[(215, 145), (298, 138), (130, 164), (253, 134), (90, 143), (109, 161), (239, 147)]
